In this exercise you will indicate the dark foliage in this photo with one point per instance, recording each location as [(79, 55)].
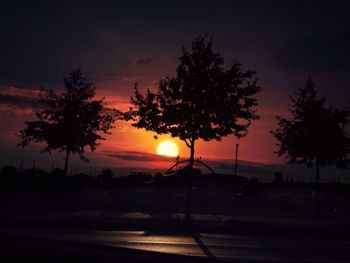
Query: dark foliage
[(8, 171), (316, 132), (35, 193), (57, 172), (203, 101), (106, 174), (71, 120)]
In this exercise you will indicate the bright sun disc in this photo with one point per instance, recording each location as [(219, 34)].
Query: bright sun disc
[(168, 148)]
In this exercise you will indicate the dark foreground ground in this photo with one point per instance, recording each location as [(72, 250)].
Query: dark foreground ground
[(53, 245), (326, 227), (30, 249), (135, 238), (50, 218)]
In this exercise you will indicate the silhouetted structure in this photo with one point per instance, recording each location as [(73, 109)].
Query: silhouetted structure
[(71, 120), (316, 134)]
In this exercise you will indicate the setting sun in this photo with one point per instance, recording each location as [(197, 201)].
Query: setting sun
[(168, 148)]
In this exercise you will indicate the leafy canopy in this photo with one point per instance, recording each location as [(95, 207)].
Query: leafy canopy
[(203, 101), (315, 131), (71, 120)]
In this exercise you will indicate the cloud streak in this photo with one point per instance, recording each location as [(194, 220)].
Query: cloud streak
[(138, 156), (19, 97)]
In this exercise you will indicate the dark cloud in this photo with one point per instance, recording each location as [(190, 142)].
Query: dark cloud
[(32, 80), (138, 156), (41, 40), (144, 61), (29, 79), (316, 54), (19, 101), (20, 97)]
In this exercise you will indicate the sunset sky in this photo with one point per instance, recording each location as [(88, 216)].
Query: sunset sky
[(117, 44)]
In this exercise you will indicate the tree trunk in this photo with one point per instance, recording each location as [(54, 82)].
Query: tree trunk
[(317, 189), (192, 155), (66, 162), (189, 189)]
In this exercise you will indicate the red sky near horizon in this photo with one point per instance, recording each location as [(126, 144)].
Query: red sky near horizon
[(258, 146)]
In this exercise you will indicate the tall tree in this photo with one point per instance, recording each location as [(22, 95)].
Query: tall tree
[(315, 135), (71, 120), (203, 101)]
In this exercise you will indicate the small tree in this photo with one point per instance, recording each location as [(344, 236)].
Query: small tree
[(70, 120), (203, 101), (315, 135)]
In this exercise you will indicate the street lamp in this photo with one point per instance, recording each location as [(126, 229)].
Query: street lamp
[(236, 160)]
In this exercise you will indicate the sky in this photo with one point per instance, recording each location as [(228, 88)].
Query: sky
[(119, 43)]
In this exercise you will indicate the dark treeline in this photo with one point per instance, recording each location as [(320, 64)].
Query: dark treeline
[(36, 191)]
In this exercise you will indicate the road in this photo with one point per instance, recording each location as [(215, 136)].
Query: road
[(237, 248)]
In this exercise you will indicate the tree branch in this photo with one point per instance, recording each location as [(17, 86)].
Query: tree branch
[(187, 143)]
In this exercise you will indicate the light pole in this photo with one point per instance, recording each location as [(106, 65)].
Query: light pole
[(236, 160)]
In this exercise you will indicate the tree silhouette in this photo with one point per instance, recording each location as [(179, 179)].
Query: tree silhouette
[(71, 120), (203, 101), (316, 133)]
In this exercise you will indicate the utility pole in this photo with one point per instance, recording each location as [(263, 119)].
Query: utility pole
[(236, 160)]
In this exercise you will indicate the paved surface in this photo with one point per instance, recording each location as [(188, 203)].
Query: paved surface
[(237, 248)]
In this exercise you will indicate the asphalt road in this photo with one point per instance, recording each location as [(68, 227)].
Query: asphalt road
[(236, 248)]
